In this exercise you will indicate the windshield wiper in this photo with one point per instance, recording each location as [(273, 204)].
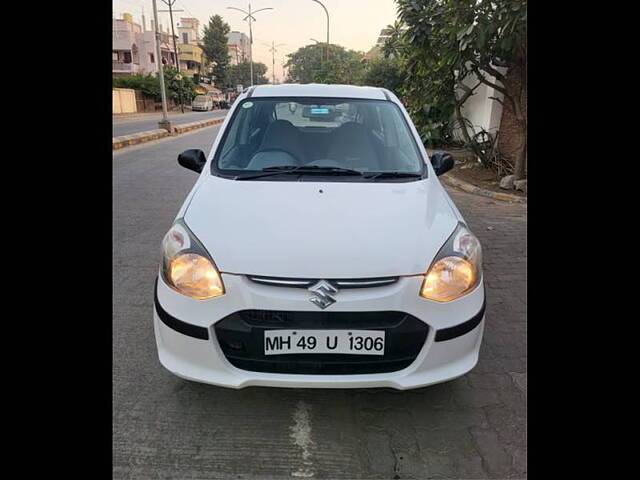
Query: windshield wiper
[(269, 171), (393, 175), (319, 169), (286, 169)]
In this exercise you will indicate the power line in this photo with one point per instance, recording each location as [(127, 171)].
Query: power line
[(273, 50), (187, 9), (137, 4)]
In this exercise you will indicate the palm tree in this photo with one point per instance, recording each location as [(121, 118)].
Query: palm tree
[(393, 45)]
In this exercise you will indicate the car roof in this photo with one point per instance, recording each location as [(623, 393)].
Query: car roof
[(318, 90)]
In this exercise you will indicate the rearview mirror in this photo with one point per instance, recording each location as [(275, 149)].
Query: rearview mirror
[(193, 159), (442, 162)]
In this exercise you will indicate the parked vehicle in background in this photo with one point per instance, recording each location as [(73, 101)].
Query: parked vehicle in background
[(216, 97), (202, 103), (319, 249), (225, 105)]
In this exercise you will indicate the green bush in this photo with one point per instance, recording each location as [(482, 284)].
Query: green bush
[(149, 85), (386, 73)]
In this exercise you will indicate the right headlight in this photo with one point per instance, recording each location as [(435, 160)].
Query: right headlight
[(456, 269), (187, 267)]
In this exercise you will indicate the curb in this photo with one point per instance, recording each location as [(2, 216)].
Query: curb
[(185, 127), (135, 138), (467, 187), (142, 137)]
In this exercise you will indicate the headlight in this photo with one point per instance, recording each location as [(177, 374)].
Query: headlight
[(457, 268), (186, 265)]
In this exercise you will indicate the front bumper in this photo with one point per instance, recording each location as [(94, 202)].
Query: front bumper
[(188, 347)]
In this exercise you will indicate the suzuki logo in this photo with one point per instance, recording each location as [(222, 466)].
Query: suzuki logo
[(323, 291)]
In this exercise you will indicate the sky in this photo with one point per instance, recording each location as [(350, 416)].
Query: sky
[(354, 24)]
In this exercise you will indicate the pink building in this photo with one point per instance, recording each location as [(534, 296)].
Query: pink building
[(134, 48)]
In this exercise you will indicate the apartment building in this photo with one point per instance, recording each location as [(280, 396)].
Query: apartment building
[(134, 47), (190, 53), (238, 46)]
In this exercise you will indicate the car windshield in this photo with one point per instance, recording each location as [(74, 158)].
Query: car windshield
[(368, 136), (200, 98)]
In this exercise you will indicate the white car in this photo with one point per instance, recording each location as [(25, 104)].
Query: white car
[(318, 249), (202, 103)]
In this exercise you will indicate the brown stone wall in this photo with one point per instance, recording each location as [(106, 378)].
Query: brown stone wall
[(510, 137)]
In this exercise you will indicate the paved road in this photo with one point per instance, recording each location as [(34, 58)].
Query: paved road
[(164, 427), (128, 125)]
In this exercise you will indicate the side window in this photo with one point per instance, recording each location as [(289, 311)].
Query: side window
[(405, 143)]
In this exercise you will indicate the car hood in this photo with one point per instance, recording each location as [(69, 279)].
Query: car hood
[(321, 229)]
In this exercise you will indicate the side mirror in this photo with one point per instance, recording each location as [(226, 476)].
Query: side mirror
[(442, 162), (193, 159)]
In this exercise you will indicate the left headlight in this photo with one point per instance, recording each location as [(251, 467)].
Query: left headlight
[(186, 265), (457, 268)]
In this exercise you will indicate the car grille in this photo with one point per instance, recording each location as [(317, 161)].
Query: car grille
[(241, 337), (338, 283)]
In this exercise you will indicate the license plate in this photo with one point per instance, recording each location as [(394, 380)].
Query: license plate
[(354, 342)]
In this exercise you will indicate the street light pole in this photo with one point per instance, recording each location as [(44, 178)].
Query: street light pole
[(164, 123), (325, 11), (249, 17), (319, 43), (273, 58), (173, 35)]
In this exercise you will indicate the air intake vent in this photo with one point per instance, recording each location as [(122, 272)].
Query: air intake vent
[(339, 283)]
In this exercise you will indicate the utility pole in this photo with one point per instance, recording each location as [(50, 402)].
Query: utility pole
[(326, 52), (249, 18), (170, 3), (164, 123), (273, 58)]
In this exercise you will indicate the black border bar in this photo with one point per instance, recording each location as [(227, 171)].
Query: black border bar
[(184, 328), (461, 329)]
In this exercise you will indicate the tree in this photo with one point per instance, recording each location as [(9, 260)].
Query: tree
[(393, 45), (150, 85), (344, 67), (241, 74), (215, 48), (176, 89), (304, 62), (454, 46), (147, 84), (387, 73), (306, 65)]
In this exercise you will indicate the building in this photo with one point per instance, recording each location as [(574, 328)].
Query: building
[(238, 46), (376, 51), (134, 48), (385, 33), (190, 53), (125, 48)]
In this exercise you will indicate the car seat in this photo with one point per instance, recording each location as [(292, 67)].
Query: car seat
[(352, 146)]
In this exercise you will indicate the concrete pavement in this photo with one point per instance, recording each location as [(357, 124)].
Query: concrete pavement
[(126, 125), (165, 427)]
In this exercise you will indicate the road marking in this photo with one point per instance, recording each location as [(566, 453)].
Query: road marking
[(301, 437)]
